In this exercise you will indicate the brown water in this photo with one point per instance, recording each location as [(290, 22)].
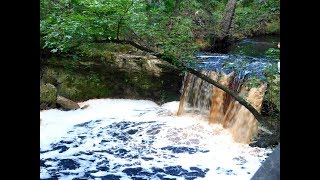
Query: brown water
[(246, 58), (201, 97)]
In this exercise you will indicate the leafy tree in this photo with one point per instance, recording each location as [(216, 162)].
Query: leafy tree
[(254, 17)]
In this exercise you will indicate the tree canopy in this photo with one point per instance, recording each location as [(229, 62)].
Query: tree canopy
[(166, 28), (69, 24)]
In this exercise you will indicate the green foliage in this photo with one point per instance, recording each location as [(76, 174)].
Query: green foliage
[(253, 82), (167, 26), (70, 25), (48, 93), (273, 78), (257, 17), (75, 23), (85, 87), (273, 91), (273, 54)]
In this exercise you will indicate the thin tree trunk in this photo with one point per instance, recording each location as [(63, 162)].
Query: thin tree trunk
[(227, 18), (177, 7), (221, 41)]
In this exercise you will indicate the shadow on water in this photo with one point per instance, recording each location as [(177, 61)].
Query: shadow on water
[(255, 46)]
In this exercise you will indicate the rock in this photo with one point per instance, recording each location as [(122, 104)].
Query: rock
[(67, 104), (265, 139), (48, 96), (270, 169), (118, 75), (49, 76), (48, 93), (269, 109)]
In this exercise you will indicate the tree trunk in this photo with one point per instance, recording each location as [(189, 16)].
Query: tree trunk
[(227, 18), (177, 7), (222, 42)]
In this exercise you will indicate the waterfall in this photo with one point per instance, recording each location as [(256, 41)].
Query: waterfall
[(203, 98)]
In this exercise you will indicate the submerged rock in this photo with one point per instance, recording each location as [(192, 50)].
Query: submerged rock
[(266, 139), (85, 106)]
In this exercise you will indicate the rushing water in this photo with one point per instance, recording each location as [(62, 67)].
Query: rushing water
[(138, 139), (227, 63), (232, 71)]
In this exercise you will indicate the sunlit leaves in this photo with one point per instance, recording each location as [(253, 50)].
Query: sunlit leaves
[(273, 78), (273, 54), (79, 22), (254, 16), (74, 23)]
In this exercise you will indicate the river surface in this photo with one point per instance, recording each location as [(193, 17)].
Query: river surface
[(246, 57)]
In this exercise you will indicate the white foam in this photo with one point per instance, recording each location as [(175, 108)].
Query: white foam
[(171, 106), (44, 174), (99, 173), (56, 123), (212, 147)]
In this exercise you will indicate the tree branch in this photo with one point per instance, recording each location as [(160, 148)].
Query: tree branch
[(118, 41), (121, 19)]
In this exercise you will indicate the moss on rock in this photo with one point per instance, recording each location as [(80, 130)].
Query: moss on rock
[(121, 75), (48, 93), (48, 96)]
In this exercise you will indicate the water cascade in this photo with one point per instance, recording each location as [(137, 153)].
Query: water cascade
[(201, 97)]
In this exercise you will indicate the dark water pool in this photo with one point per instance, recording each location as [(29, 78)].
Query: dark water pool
[(255, 46)]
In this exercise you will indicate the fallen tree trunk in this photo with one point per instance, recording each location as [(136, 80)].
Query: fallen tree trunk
[(171, 59)]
